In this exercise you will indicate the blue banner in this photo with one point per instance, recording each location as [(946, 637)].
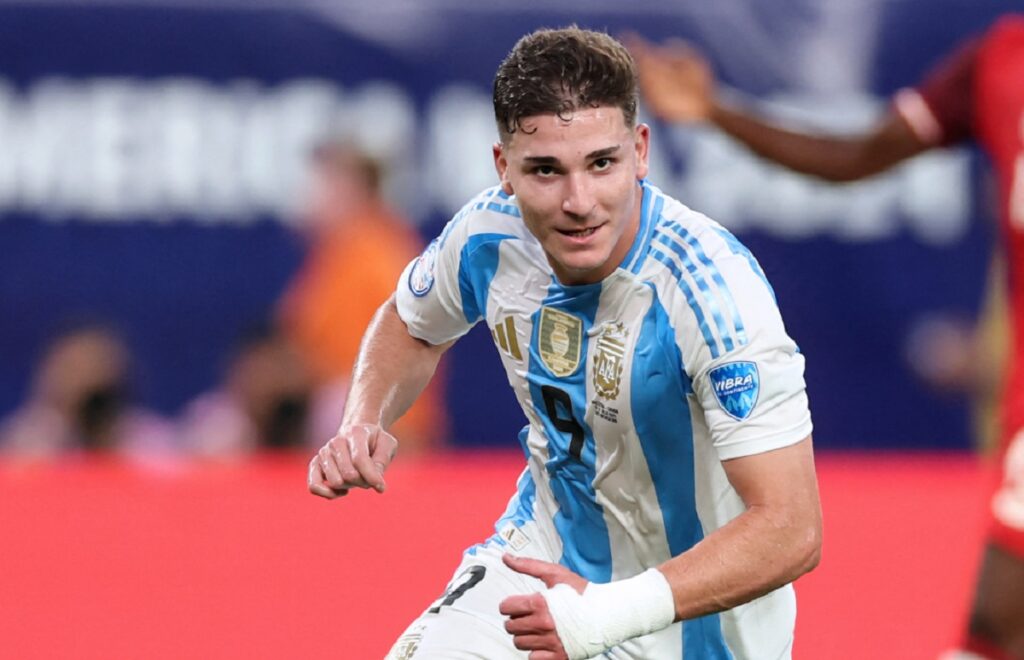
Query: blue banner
[(151, 158)]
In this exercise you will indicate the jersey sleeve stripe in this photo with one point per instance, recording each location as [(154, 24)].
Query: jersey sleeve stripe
[(507, 209), (478, 264), (486, 202), (702, 286), (716, 277), (475, 204), (700, 271), (647, 227), (691, 300), (637, 251)]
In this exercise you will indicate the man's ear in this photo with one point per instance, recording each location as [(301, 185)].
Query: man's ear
[(642, 144), (501, 166)]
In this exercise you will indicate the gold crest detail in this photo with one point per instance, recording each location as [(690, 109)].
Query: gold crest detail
[(608, 358), (560, 338)]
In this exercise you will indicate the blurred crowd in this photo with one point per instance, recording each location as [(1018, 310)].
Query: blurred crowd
[(283, 384)]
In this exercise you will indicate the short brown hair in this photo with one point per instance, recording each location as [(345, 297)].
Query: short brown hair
[(561, 71)]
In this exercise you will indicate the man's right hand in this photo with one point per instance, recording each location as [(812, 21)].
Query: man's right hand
[(355, 458)]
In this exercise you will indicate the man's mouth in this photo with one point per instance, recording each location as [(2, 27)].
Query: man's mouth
[(578, 233)]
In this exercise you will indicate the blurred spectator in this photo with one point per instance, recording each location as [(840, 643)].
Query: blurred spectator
[(264, 402), (80, 401), (358, 248), (975, 92)]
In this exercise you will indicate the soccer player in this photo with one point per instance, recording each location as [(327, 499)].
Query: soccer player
[(669, 497), (975, 92)]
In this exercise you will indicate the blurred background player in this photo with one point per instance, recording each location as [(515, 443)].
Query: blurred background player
[(80, 402), (359, 246), (976, 92)]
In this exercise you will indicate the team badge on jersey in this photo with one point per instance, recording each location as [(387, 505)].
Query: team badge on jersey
[(736, 385), (421, 277), (611, 350), (561, 336)]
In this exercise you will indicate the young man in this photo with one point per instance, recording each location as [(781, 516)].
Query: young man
[(976, 92), (670, 495)]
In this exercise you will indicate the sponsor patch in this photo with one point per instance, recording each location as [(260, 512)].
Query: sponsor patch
[(421, 277), (736, 386)]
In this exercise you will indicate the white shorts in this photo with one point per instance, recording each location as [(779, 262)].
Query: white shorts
[(464, 623)]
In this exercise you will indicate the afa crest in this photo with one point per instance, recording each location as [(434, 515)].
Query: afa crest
[(561, 336), (608, 358)]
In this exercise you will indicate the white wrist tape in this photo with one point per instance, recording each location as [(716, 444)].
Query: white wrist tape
[(606, 615)]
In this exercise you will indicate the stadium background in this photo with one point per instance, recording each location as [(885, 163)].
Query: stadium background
[(150, 157)]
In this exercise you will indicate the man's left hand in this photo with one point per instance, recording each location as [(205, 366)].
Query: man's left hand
[(530, 622)]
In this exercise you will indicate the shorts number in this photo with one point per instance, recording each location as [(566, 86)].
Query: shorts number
[(566, 424), (466, 580)]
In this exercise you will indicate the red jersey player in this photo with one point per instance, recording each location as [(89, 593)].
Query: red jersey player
[(975, 92)]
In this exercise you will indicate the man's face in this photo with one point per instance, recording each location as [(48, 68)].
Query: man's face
[(576, 183)]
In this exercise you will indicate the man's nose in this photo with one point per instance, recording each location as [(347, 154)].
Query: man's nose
[(578, 200)]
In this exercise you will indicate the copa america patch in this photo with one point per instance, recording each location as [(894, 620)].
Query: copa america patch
[(736, 386), (421, 277)]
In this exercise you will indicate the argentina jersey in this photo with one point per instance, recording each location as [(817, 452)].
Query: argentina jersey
[(635, 388)]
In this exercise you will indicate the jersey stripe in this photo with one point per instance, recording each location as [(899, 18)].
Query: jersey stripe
[(507, 209), (650, 211), (520, 510), (483, 201), (478, 262), (716, 276), (488, 203), (666, 437), (471, 205), (691, 300), (659, 204), (698, 279), (579, 521)]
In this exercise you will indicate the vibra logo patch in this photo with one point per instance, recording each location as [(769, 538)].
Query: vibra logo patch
[(736, 386)]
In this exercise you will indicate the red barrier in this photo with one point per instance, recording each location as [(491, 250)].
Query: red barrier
[(101, 560)]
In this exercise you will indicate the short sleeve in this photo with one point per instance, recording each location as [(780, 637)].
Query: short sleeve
[(429, 296), (940, 108), (753, 392)]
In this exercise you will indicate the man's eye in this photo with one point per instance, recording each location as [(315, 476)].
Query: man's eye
[(544, 170), (603, 163)]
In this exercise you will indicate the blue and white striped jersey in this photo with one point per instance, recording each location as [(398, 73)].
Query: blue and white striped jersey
[(635, 388)]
